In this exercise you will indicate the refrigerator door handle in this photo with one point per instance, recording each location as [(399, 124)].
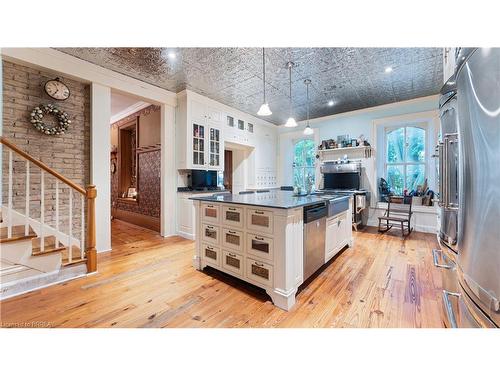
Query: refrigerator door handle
[(436, 261), (449, 308), (447, 140), (441, 174)]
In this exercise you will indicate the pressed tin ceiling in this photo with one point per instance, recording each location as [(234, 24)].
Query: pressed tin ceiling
[(353, 78)]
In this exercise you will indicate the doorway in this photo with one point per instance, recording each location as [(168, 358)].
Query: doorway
[(228, 170), (135, 163), (236, 166)]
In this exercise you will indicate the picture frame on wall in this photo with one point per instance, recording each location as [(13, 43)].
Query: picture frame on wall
[(132, 192)]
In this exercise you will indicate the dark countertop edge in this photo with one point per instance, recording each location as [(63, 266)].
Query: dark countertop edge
[(214, 200), (203, 191)]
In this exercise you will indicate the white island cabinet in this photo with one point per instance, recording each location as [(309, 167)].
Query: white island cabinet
[(261, 244), (262, 247)]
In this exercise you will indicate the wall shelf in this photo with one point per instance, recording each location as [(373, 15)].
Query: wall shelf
[(366, 150)]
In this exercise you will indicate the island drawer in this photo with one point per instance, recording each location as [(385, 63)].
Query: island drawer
[(232, 216), (260, 246), (232, 262), (211, 254), (210, 233), (259, 272), (210, 212), (233, 239), (260, 220)]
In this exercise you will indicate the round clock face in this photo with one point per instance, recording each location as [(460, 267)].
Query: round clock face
[(57, 90)]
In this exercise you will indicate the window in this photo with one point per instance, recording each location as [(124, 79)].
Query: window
[(303, 163), (405, 159)]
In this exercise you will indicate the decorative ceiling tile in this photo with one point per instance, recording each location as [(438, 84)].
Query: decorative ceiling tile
[(353, 78)]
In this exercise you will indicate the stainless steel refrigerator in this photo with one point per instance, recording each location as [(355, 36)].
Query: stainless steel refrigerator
[(445, 258), (478, 261)]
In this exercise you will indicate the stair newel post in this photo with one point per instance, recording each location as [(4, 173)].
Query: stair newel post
[(91, 252)]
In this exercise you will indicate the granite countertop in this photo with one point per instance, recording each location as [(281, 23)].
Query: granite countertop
[(273, 199)]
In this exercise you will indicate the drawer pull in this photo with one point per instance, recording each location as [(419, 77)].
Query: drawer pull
[(210, 206), (232, 255), (259, 212), (231, 231), (259, 238), (231, 209), (210, 227), (259, 264), (209, 248)]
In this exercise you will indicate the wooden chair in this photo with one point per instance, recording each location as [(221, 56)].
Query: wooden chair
[(397, 212)]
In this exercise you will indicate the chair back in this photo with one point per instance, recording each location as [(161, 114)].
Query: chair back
[(397, 208)]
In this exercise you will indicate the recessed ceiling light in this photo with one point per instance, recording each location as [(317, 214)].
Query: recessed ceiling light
[(172, 55), (331, 103), (388, 69)]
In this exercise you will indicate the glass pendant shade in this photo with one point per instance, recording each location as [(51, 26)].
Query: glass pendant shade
[(290, 123), (264, 110), (308, 130)]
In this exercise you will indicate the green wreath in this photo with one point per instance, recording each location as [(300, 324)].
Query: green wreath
[(62, 119)]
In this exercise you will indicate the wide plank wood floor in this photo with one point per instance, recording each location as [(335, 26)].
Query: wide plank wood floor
[(149, 281)]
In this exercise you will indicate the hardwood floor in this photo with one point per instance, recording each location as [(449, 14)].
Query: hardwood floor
[(149, 281)]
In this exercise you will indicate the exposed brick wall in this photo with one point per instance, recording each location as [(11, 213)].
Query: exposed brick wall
[(68, 154)]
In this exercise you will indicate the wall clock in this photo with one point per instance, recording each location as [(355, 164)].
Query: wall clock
[(57, 89)]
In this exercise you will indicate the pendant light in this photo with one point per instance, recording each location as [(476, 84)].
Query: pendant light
[(308, 130), (290, 123), (264, 109)]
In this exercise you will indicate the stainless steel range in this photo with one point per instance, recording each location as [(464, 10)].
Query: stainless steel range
[(344, 178)]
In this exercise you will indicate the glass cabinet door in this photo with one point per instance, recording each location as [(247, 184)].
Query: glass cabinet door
[(198, 144), (214, 147)]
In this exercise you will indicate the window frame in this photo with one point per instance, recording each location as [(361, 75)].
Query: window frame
[(414, 124), (303, 167)]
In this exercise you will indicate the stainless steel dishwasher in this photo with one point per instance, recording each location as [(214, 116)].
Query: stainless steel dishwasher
[(314, 237)]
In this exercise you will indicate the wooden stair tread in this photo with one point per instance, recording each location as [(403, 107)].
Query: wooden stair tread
[(47, 250), (74, 262), (17, 234), (51, 245)]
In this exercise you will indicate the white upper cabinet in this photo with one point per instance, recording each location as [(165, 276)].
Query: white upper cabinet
[(200, 141), (203, 126)]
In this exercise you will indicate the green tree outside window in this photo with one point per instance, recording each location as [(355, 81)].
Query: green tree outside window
[(405, 158), (303, 163)]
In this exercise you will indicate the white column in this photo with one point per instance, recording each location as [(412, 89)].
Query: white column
[(100, 175), (168, 171)]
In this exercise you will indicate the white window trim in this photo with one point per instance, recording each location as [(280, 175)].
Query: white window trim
[(304, 167), (422, 125), (429, 117)]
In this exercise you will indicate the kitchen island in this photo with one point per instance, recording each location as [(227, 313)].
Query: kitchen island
[(259, 238)]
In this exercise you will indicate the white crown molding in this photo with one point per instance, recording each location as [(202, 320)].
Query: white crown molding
[(84, 71), (129, 111)]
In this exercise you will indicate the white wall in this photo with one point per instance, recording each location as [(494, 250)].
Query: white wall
[(100, 175), (353, 123), (356, 123)]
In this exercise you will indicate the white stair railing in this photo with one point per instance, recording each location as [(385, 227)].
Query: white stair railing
[(87, 245)]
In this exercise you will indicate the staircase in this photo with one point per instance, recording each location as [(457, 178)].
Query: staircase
[(53, 242)]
